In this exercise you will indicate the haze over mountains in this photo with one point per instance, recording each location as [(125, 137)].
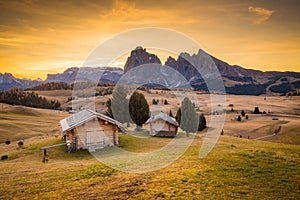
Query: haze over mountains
[(237, 80)]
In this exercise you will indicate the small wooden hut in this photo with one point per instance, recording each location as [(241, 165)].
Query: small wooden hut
[(162, 125), (90, 130)]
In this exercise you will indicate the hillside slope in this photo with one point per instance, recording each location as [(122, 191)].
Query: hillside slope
[(235, 169)]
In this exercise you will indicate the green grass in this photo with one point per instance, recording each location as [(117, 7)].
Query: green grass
[(235, 169), (140, 142)]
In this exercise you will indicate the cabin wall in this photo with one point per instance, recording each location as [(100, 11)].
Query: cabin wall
[(161, 125), (172, 127), (163, 129), (110, 131)]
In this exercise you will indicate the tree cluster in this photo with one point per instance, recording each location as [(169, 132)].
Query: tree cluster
[(52, 86), (17, 96), (188, 119), (156, 101), (256, 110), (294, 93), (135, 109)]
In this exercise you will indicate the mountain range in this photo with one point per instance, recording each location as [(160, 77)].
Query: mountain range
[(237, 80)]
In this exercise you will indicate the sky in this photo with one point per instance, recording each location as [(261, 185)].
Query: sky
[(38, 37)]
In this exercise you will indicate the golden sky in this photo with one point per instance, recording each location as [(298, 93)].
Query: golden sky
[(40, 36)]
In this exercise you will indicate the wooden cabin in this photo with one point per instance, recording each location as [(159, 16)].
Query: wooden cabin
[(90, 130), (162, 125)]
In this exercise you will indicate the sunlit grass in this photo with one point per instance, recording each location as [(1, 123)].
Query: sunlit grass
[(236, 168)]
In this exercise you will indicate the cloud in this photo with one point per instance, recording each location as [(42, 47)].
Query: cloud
[(261, 14)]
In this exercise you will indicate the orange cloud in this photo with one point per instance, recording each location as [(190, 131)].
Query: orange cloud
[(261, 14)]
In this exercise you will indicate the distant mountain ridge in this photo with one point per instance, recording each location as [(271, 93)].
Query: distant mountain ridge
[(237, 80), (8, 81), (109, 74)]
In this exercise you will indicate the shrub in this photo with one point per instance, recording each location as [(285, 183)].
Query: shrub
[(243, 113), (154, 102), (239, 118), (20, 143), (7, 142), (202, 123), (4, 157)]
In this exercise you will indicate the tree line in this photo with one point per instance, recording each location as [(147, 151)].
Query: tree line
[(52, 86), (17, 96)]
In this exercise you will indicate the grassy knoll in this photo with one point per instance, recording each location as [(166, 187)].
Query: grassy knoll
[(18, 122), (235, 169)]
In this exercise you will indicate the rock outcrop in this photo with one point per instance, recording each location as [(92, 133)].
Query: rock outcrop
[(140, 56)]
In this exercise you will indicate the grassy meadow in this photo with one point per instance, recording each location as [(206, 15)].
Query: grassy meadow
[(237, 168)]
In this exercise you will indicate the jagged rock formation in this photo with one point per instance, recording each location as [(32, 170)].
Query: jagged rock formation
[(138, 57)]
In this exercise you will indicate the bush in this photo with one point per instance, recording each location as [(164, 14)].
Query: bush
[(239, 118), (20, 143), (202, 123), (243, 113), (7, 142), (4, 157), (154, 102)]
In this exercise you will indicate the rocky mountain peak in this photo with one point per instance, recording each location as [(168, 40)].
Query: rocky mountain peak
[(140, 56)]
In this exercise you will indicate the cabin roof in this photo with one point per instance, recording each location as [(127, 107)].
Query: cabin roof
[(164, 117), (84, 116)]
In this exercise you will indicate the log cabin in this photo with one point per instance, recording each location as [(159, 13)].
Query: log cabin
[(163, 125), (90, 130)]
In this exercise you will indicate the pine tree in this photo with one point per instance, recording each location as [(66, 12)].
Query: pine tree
[(108, 112), (138, 109), (171, 114), (243, 113), (120, 104), (256, 110), (239, 118), (202, 123), (154, 102), (178, 116), (189, 117)]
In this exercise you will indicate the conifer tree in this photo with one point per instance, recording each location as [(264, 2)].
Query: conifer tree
[(178, 116), (138, 109), (189, 117)]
